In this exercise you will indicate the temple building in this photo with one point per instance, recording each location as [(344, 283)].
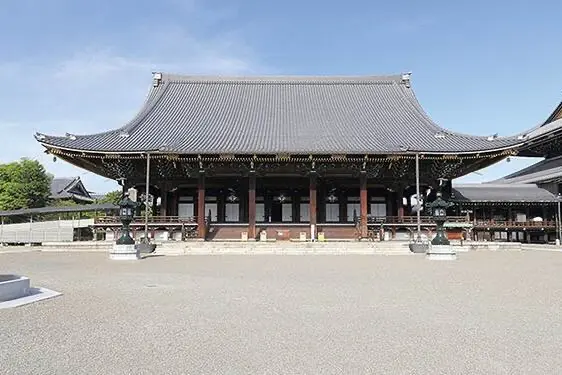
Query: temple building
[(71, 189), (229, 157)]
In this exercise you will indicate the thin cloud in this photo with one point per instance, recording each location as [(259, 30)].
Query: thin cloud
[(101, 87)]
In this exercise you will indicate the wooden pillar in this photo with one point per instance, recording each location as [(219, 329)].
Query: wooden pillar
[(267, 205), (389, 202), (173, 208), (201, 206), (321, 204), (400, 202), (363, 203), (312, 205), (252, 206), (295, 202), (342, 208), (221, 207)]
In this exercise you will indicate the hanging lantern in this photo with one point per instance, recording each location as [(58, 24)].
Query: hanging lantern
[(232, 196), (281, 198), (332, 198)]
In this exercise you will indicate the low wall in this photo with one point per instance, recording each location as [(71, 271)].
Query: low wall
[(87, 246), (489, 246), (535, 247), (42, 231)]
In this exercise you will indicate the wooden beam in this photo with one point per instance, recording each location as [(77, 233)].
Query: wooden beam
[(312, 205), (252, 205), (201, 206), (363, 203)]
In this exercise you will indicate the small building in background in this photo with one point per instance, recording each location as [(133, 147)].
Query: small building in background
[(70, 188)]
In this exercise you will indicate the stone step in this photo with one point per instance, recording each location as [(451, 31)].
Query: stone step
[(281, 248)]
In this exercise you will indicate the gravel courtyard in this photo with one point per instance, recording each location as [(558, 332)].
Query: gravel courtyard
[(486, 313)]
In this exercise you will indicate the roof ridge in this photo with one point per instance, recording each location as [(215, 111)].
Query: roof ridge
[(287, 79)]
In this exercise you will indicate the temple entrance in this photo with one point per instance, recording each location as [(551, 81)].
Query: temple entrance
[(281, 212), (212, 209)]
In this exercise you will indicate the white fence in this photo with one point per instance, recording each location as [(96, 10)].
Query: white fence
[(42, 231)]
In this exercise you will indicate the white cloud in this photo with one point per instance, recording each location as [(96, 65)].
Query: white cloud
[(101, 87), (92, 66)]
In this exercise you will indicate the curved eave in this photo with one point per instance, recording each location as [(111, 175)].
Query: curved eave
[(167, 98), (483, 152), (555, 115)]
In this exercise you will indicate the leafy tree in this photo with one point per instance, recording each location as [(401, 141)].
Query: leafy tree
[(59, 203), (23, 184), (111, 197)]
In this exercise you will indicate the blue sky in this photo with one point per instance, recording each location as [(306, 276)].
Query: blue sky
[(479, 67)]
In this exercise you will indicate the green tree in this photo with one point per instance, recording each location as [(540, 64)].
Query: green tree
[(24, 184), (111, 197)]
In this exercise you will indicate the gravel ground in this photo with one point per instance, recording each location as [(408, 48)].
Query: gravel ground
[(486, 313)]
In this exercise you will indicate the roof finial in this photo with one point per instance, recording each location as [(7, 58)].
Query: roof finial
[(156, 78), (406, 78)]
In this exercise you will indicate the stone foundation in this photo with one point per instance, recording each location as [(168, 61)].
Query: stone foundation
[(124, 252), (441, 252), (13, 286)]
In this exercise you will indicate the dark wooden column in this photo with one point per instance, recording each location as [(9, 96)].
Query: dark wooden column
[(312, 205), (295, 207), (201, 206), (267, 202), (172, 209), (321, 204), (343, 205), (221, 206), (252, 206), (163, 201), (400, 201), (363, 203)]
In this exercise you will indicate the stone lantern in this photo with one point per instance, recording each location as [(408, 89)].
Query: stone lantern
[(125, 248), (126, 213), (440, 247)]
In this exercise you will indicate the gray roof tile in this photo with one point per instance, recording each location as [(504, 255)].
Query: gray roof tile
[(198, 114), (64, 187), (543, 171), (501, 193)]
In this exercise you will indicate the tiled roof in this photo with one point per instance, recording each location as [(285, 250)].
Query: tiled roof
[(247, 115), (501, 193), (62, 188), (543, 171), (58, 187)]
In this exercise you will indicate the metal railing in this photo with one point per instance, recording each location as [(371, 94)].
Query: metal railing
[(411, 220), (138, 220)]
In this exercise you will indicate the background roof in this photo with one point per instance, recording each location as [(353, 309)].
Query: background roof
[(501, 193), (543, 171), (69, 187)]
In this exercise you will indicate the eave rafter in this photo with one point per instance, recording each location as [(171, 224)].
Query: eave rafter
[(394, 166)]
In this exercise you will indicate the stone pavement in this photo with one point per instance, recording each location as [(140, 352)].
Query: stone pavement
[(486, 313)]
